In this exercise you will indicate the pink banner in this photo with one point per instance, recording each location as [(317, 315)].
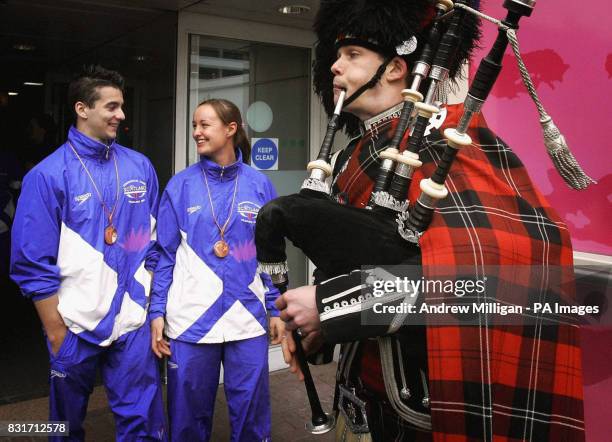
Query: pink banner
[(568, 51)]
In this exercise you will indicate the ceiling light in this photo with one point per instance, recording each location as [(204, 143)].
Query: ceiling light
[(32, 83), (24, 47), (141, 58), (293, 9), (13, 93)]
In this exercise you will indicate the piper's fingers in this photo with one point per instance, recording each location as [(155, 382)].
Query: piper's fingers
[(291, 325), (281, 302), (284, 315)]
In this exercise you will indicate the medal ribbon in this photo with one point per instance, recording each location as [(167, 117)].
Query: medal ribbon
[(109, 213), (212, 209)]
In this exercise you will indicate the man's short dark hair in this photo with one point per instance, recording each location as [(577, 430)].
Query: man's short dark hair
[(84, 87)]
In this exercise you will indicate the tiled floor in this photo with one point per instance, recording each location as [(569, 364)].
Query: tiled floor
[(290, 409)]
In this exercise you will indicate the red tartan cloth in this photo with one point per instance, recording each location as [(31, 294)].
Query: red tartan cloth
[(502, 383)]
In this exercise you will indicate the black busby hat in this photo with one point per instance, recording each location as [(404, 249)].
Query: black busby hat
[(385, 26)]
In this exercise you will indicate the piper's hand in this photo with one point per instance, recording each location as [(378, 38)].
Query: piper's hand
[(298, 308), (277, 330), (159, 345)]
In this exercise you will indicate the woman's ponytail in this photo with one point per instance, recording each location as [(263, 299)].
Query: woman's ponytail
[(242, 141)]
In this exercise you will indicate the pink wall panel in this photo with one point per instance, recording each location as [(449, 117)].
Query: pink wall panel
[(567, 46)]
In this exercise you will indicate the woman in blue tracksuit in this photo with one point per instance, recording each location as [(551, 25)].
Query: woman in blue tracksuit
[(207, 295)]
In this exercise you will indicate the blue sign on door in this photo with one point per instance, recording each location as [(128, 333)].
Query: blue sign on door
[(264, 153)]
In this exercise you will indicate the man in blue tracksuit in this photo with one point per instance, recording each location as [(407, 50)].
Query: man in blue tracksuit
[(82, 245)]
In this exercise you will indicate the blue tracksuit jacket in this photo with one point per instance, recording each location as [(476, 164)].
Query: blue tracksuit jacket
[(58, 237), (207, 299)]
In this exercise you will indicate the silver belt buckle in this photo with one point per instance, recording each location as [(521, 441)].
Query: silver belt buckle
[(353, 409)]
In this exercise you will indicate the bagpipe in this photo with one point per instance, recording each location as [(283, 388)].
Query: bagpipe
[(338, 238)]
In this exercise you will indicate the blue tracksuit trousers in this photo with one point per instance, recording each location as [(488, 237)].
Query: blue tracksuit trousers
[(131, 378), (193, 378)]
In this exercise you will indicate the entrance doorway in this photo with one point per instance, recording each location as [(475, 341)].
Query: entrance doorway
[(42, 44)]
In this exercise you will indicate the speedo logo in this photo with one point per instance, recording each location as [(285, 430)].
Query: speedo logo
[(248, 212), (172, 365), (80, 199), (135, 191), (57, 374), (193, 209)]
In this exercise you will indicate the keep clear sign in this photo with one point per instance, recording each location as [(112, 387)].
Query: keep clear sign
[(264, 153)]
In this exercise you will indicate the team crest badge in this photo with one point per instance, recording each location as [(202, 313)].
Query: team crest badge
[(248, 212), (135, 191)]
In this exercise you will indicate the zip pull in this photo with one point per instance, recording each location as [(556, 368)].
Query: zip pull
[(107, 151), (222, 170)]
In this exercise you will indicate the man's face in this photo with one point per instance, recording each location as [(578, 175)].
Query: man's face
[(104, 116), (354, 67)]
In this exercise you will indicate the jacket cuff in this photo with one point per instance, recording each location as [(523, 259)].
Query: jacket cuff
[(155, 314), (273, 312), (339, 305), (352, 307), (39, 296)]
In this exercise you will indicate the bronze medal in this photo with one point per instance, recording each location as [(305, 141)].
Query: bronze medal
[(221, 249), (110, 235)]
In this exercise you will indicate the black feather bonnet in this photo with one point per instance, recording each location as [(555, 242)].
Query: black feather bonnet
[(379, 25)]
